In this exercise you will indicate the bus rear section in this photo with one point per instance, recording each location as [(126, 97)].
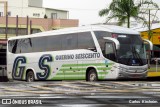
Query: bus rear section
[(3, 64)]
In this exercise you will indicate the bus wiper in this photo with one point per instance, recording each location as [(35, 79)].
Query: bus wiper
[(136, 55)]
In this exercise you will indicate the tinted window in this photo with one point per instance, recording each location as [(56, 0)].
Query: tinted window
[(13, 46), (54, 43), (25, 45), (20, 46), (85, 40), (69, 41), (38, 44), (109, 51), (100, 35), (82, 40)]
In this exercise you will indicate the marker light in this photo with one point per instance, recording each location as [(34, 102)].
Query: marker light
[(114, 35)]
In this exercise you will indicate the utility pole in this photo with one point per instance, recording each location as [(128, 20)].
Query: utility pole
[(149, 24), (17, 25), (27, 25), (6, 30), (149, 19), (30, 26)]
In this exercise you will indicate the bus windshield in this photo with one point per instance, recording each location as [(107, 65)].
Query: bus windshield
[(132, 50)]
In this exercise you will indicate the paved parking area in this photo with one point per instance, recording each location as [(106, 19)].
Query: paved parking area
[(82, 93)]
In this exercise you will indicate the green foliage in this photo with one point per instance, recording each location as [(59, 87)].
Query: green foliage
[(123, 10), (45, 16)]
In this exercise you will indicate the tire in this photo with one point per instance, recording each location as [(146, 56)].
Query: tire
[(92, 75), (30, 77)]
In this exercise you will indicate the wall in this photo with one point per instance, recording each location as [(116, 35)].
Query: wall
[(21, 8), (60, 13), (37, 23), (155, 39)]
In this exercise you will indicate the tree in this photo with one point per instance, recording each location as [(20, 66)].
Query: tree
[(45, 16), (124, 10)]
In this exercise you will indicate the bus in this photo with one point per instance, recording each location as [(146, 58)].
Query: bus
[(91, 53)]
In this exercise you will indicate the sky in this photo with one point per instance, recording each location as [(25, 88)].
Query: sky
[(84, 10)]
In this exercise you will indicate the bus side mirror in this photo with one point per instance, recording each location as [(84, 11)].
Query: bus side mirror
[(147, 42), (110, 51), (115, 41), (111, 48), (149, 47)]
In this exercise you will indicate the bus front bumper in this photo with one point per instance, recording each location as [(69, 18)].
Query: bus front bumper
[(138, 72)]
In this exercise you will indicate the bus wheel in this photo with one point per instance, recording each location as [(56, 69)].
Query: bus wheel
[(30, 76), (92, 75)]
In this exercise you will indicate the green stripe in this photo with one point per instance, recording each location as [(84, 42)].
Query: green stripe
[(80, 69), (58, 76), (70, 76), (89, 64), (72, 73), (59, 72), (105, 68), (73, 69), (102, 73)]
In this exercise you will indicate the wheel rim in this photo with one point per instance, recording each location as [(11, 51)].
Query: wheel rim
[(92, 77)]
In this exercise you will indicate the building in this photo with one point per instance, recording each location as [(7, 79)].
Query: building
[(39, 18), (38, 25), (31, 8), (155, 39), (155, 33)]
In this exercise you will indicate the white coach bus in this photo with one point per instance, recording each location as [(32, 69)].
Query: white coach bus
[(88, 53)]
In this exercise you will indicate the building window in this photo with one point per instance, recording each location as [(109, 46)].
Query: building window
[(9, 13), (2, 30), (11, 31), (1, 14), (54, 15), (21, 31), (36, 14), (35, 31)]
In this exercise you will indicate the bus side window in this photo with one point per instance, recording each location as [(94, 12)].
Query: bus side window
[(54, 43), (85, 41), (69, 41), (39, 44), (110, 51), (99, 35), (25, 45)]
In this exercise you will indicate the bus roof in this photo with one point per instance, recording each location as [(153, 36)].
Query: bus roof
[(108, 28)]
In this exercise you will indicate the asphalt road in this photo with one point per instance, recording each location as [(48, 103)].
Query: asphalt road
[(81, 93)]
